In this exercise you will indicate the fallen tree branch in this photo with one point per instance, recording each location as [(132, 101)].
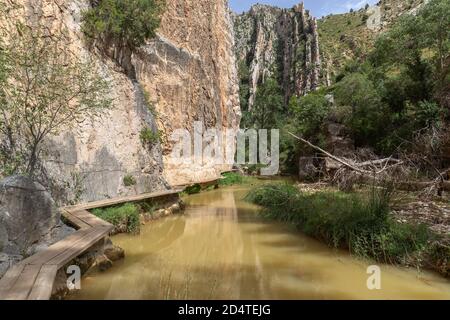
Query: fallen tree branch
[(381, 161), (330, 155), (374, 175)]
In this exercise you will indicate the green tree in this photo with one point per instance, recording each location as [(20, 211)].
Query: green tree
[(417, 50), (244, 88), (126, 22), (309, 115), (268, 107), (46, 90), (358, 93), (435, 35)]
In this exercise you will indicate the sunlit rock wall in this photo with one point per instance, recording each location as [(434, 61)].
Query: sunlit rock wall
[(188, 73)]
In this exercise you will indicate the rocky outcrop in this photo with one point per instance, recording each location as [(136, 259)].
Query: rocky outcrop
[(280, 43), (29, 219), (27, 213), (188, 73)]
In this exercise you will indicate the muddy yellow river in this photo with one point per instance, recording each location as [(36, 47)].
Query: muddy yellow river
[(221, 249)]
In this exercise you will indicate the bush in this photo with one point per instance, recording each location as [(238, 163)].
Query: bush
[(366, 121), (129, 181), (147, 136), (194, 189), (309, 113), (128, 22), (126, 216), (359, 222), (232, 178)]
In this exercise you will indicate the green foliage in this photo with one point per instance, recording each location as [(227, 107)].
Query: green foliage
[(194, 189), (418, 47), (129, 181), (128, 22), (147, 136), (309, 114), (45, 90), (358, 93), (343, 38), (150, 106), (244, 88), (233, 178), (439, 254), (127, 214), (401, 89), (268, 107), (147, 206), (359, 222)]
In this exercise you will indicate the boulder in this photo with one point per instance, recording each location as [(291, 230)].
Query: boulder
[(338, 140), (307, 169), (103, 263), (27, 214), (175, 208), (114, 253), (6, 261)]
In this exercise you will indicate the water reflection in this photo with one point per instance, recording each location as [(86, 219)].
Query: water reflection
[(221, 249)]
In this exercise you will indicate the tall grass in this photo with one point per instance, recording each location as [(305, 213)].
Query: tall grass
[(361, 223), (126, 215), (231, 178)]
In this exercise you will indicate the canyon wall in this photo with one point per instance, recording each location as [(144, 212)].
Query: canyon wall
[(280, 43), (187, 74)]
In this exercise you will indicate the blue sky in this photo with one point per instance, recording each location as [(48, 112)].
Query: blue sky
[(318, 8)]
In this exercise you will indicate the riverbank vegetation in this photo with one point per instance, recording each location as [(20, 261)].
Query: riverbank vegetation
[(235, 178), (128, 217), (125, 218), (361, 223), (392, 100)]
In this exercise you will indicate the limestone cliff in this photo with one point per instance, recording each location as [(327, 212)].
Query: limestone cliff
[(302, 52), (280, 43), (188, 73)]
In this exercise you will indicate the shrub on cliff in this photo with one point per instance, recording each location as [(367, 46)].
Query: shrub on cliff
[(148, 137), (127, 22)]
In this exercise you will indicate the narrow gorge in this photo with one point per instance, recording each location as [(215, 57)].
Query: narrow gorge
[(279, 43), (137, 139)]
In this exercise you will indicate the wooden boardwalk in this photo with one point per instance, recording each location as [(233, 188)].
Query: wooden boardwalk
[(34, 277)]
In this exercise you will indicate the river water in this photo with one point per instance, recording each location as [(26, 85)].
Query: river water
[(221, 249)]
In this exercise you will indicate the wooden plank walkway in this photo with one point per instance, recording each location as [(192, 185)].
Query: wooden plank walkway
[(34, 277)]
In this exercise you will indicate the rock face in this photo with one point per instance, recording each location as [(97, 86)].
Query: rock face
[(27, 213), (188, 74), (281, 43), (29, 220)]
